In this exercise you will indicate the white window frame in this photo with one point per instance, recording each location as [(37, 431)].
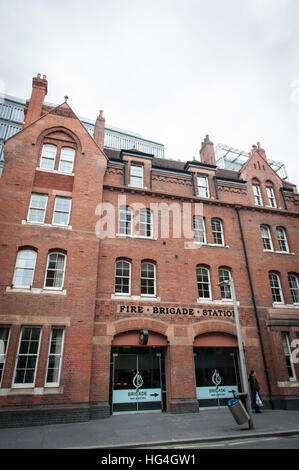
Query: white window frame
[(265, 230), (20, 251), (60, 354), (258, 200), (127, 210), (148, 278), (3, 349), (209, 283), (271, 196), (272, 287), (295, 289), (66, 158), (203, 189), (226, 289), (47, 157), (31, 207), (129, 263), (146, 226), (60, 211), (199, 228), (215, 219), (47, 269), (28, 384), (282, 239), (288, 355), (136, 175)]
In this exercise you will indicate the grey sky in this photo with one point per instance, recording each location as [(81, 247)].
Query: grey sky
[(170, 70)]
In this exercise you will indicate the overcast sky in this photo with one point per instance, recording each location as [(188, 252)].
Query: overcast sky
[(171, 70)]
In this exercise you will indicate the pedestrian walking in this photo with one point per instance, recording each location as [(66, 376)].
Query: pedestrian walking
[(255, 388)]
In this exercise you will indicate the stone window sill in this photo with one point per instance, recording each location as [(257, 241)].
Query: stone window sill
[(136, 297), (39, 224), (31, 391), (35, 290)]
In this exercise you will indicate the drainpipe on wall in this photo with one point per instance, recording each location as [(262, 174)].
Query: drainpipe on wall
[(255, 307)]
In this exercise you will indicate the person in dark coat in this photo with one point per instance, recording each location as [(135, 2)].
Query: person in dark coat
[(254, 387)]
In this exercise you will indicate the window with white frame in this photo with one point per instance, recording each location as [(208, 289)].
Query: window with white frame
[(266, 237), (203, 282), (217, 231), (294, 287), (271, 196), (275, 285), (136, 175), (37, 208), (224, 276), (27, 357), (125, 221), (148, 279), (257, 195), (55, 271), (203, 186), (48, 157), (122, 282), (66, 162), (4, 337), (199, 229), (146, 223), (288, 355), (24, 269), (55, 356), (62, 209), (282, 239)]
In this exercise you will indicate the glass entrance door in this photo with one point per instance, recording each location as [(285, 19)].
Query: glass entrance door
[(137, 379), (217, 374)]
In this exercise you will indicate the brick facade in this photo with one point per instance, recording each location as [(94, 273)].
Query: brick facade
[(95, 318)]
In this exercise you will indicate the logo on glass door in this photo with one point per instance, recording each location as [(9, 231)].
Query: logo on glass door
[(216, 379), (137, 380)]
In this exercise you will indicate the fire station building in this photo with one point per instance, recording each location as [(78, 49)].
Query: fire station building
[(113, 269)]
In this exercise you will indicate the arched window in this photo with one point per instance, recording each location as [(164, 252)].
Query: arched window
[(199, 229), (282, 239), (125, 220), (148, 278), (24, 269), (275, 286), (225, 289), (294, 287), (48, 157), (203, 282), (257, 193), (217, 231), (266, 237), (55, 270), (122, 280), (66, 162), (271, 194)]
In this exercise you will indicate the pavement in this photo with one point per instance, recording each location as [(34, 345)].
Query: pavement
[(129, 431)]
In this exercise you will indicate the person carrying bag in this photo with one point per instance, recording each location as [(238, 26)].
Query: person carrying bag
[(256, 401)]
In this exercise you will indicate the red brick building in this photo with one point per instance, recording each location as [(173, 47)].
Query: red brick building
[(110, 270)]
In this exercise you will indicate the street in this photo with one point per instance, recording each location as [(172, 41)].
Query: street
[(287, 442)]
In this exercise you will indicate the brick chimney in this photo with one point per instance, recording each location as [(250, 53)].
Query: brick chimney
[(207, 153), (33, 108), (99, 131), (258, 149)]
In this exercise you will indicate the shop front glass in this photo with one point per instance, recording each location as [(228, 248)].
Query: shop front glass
[(138, 379), (217, 374)]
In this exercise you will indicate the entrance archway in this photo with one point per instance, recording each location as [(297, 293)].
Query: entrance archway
[(216, 364), (138, 372)]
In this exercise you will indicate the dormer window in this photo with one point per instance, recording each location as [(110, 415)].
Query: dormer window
[(136, 175), (203, 186)]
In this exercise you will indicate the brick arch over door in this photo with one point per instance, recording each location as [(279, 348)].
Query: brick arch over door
[(215, 333), (125, 332)]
